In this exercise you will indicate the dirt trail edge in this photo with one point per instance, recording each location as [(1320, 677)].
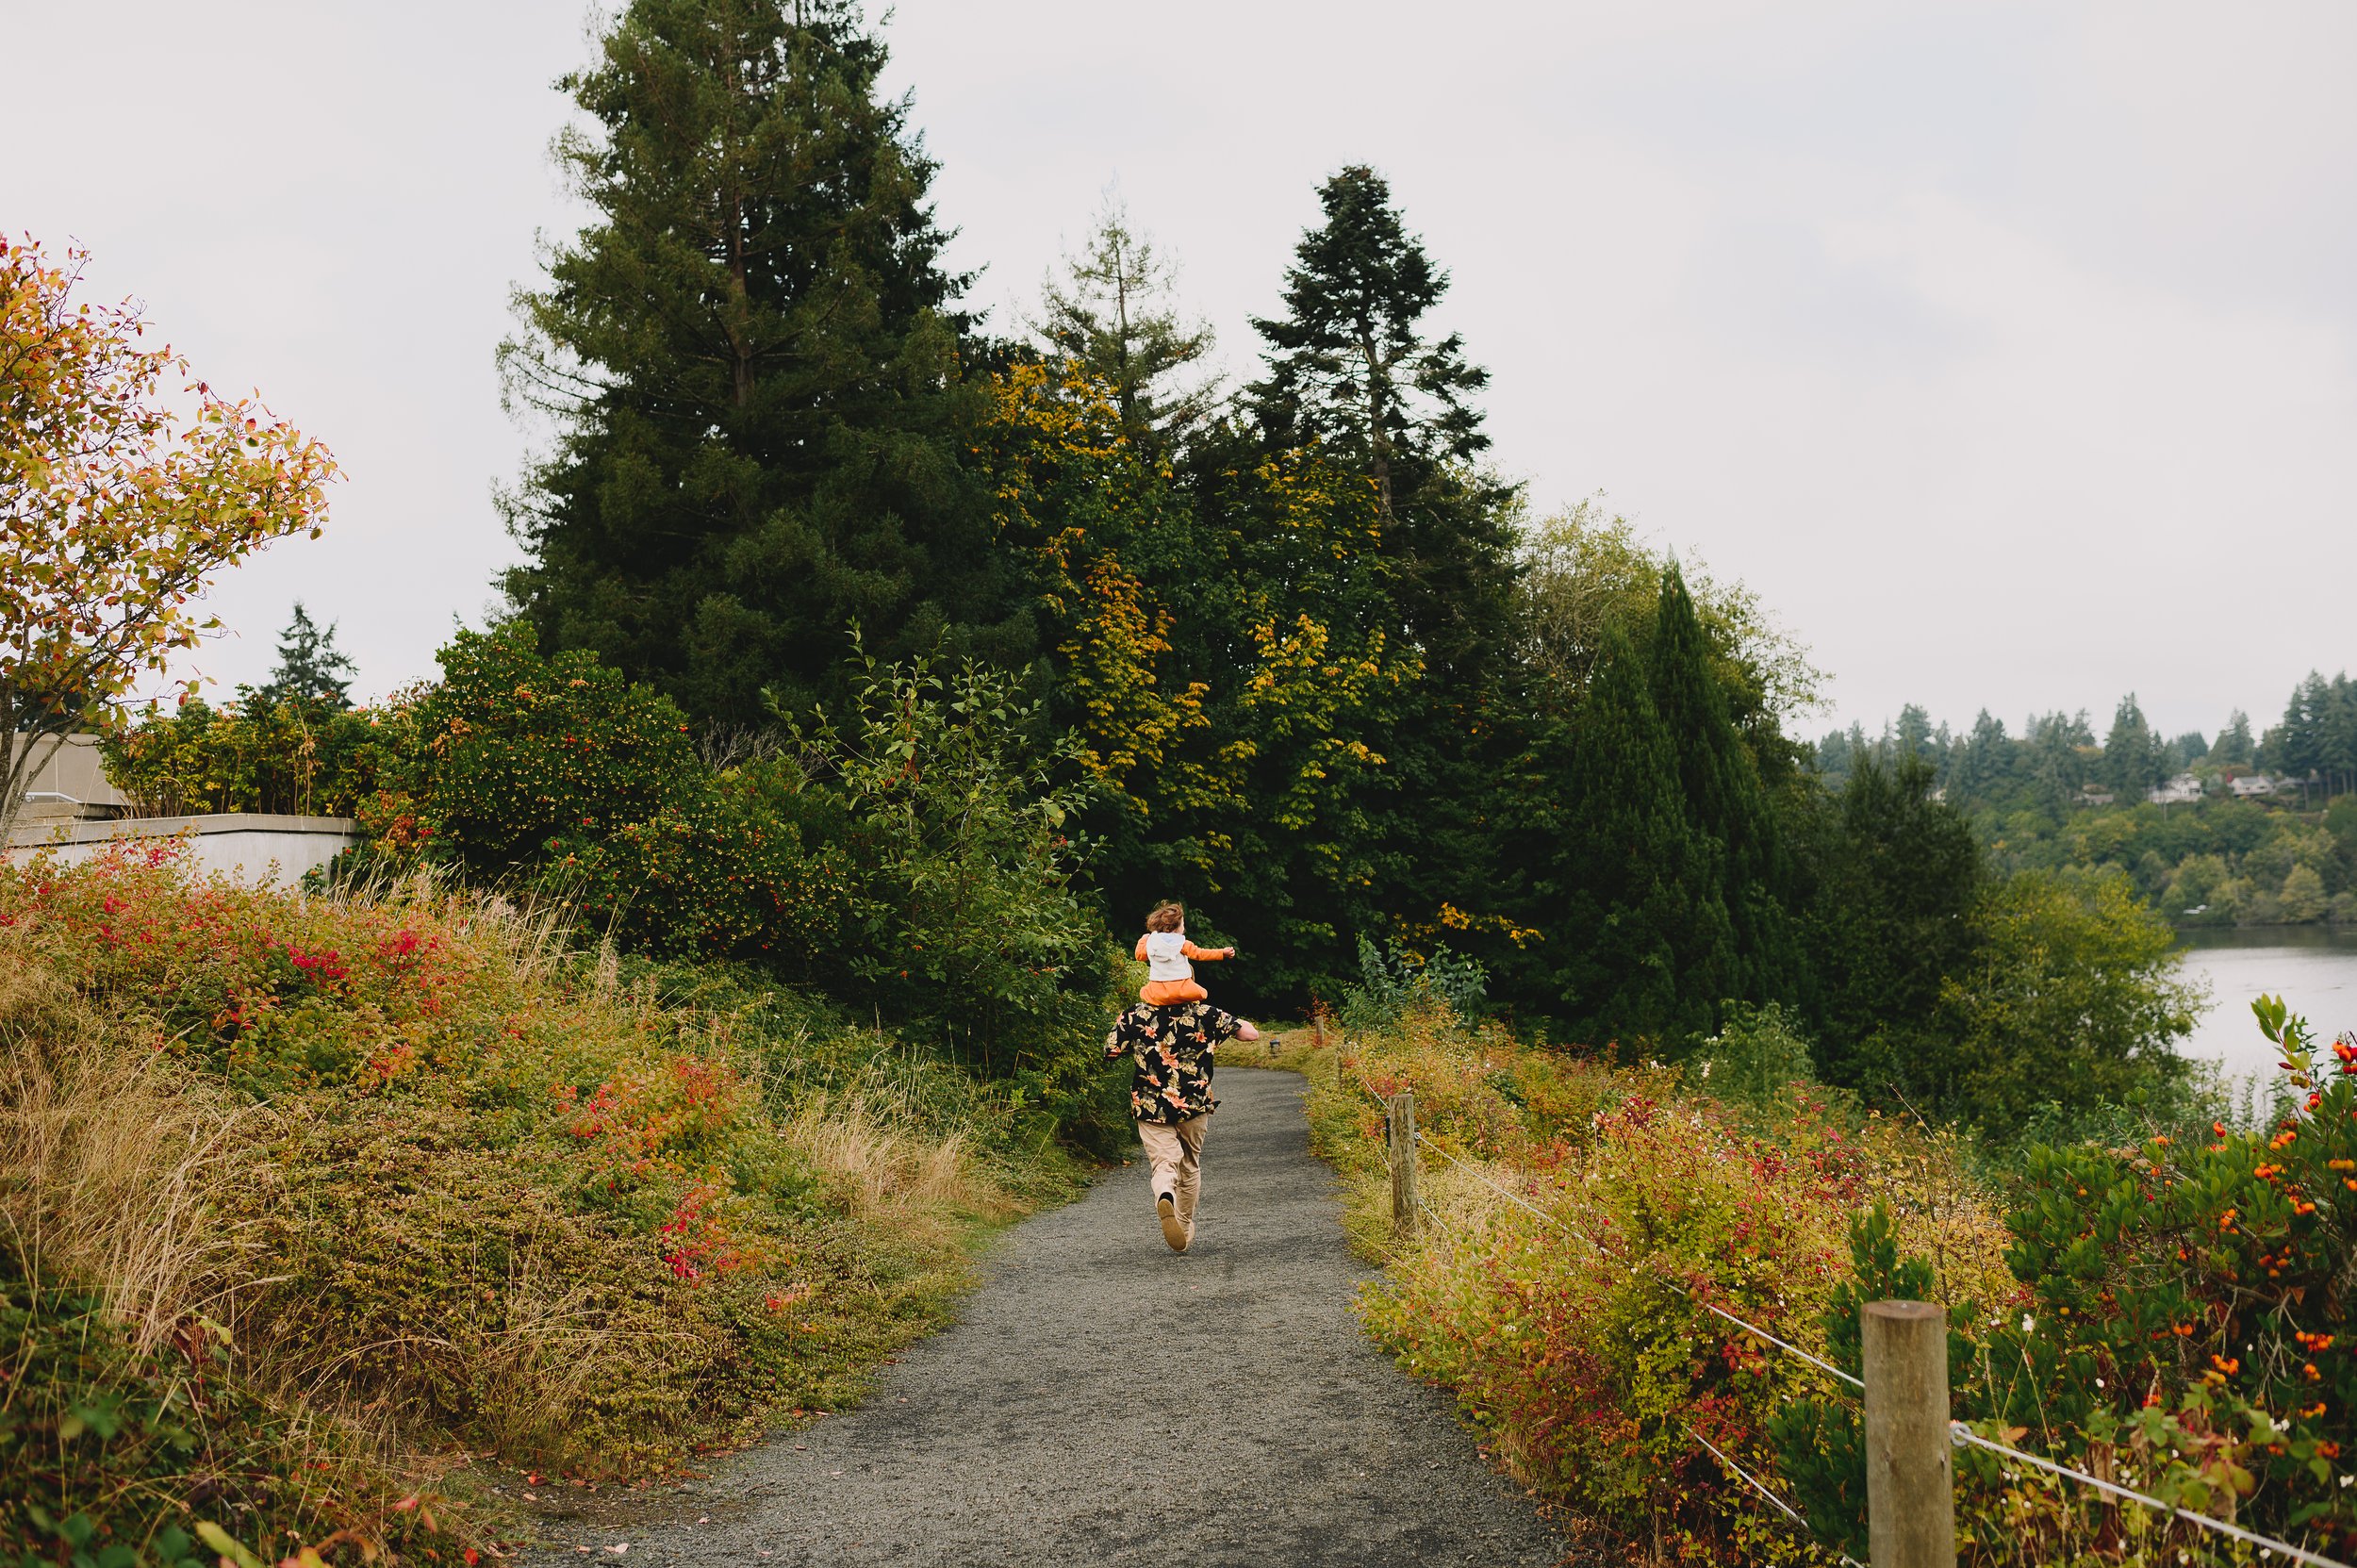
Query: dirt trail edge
[(1105, 1400)]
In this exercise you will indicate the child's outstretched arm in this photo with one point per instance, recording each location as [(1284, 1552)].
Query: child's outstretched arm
[(1205, 955)]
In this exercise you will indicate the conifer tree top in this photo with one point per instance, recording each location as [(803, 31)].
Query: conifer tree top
[(1348, 364), (311, 668)]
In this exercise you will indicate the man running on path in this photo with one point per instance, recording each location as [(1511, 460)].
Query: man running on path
[(1170, 1097)]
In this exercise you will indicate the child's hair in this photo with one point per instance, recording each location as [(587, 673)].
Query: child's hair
[(1167, 916)]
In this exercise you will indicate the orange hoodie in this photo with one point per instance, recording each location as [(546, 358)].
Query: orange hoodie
[(1170, 993)]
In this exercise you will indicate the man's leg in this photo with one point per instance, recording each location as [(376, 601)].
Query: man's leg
[(1162, 1154), (1188, 1185), (1166, 1152)]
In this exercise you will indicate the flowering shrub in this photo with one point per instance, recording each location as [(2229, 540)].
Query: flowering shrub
[(2172, 1317), (915, 862), (512, 750), (492, 1192), (1582, 1345)]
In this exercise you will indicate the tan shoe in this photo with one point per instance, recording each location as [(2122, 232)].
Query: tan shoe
[(1177, 1232)]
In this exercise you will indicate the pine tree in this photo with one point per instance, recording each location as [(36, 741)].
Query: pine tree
[(1351, 369), (1984, 764), (1643, 943), (311, 669), (2135, 759), (2233, 745), (1897, 874), (1725, 810), (1112, 313), (753, 358)]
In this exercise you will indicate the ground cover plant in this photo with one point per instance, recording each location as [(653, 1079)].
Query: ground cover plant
[(2170, 1312), (307, 1197)]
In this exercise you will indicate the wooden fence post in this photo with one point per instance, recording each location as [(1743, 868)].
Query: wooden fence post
[(1402, 1118), (1910, 1471)]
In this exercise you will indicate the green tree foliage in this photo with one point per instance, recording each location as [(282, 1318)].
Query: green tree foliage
[(1351, 369), (1643, 948), (1113, 314), (1223, 654), (2234, 744), (1685, 777), (1898, 879), (2317, 738), (294, 758), (752, 361), (1583, 570), (914, 859), (1984, 764), (2071, 998), (512, 753), (311, 669), (1726, 807), (2134, 758)]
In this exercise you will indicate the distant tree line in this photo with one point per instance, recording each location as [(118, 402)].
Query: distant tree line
[(2054, 798), (2057, 760)]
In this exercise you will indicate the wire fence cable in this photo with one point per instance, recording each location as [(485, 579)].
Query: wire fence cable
[(1963, 1435), (1557, 1221)]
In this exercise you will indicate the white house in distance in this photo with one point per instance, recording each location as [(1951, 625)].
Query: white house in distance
[(2253, 784), (2182, 790)]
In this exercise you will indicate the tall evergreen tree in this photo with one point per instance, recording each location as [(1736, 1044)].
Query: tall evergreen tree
[(1984, 764), (1113, 312), (310, 669), (1725, 809), (2234, 745), (1352, 368), (2135, 759), (753, 358), (1897, 876), (2058, 750), (1643, 947)]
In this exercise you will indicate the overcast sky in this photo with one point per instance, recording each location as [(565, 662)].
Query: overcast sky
[(2009, 350)]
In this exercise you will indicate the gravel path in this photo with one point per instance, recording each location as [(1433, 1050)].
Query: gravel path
[(1105, 1400)]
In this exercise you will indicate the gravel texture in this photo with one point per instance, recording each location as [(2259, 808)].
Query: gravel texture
[(1105, 1400)]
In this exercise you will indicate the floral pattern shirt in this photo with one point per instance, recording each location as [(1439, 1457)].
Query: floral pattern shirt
[(1173, 1047)]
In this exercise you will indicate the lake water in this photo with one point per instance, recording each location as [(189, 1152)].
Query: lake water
[(2313, 969)]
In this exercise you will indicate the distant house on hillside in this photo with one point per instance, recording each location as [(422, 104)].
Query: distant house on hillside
[(2094, 797), (2182, 790), (2255, 783)]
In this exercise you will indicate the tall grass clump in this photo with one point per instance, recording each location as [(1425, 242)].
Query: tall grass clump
[(301, 1191)]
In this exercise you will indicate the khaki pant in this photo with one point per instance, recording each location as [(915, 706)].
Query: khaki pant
[(1176, 1153)]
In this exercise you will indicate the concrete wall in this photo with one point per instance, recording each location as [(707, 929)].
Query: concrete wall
[(250, 848)]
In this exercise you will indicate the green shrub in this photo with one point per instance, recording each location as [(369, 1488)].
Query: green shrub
[(514, 752), (1757, 1053), (2070, 997), (1392, 985), (297, 758)]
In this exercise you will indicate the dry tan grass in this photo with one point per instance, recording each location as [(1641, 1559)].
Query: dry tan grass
[(886, 1168), (111, 1163)]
